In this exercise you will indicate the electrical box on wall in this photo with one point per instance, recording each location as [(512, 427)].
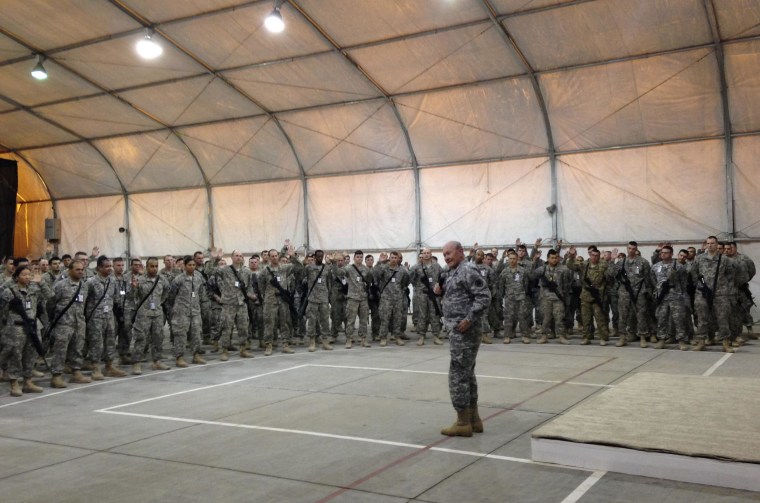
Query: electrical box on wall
[(53, 230)]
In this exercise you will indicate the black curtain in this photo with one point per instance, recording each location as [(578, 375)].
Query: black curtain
[(8, 189)]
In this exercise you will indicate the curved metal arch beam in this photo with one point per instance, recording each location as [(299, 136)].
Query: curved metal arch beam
[(42, 179), (511, 42), (404, 130), (211, 71), (712, 21)]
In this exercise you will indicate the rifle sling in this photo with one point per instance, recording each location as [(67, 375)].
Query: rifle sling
[(137, 309), (60, 315), (105, 291)]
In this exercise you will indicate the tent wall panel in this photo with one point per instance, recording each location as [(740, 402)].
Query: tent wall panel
[(671, 192), (486, 203), (747, 186), (258, 216), (29, 236), (92, 222), (362, 211), (169, 222)]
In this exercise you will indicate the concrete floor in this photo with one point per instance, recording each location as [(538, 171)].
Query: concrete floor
[(358, 425)]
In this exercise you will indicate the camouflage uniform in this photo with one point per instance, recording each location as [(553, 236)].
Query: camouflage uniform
[(496, 309), (338, 285), (393, 284), (18, 354), (374, 307), (553, 303), (671, 305), (593, 283), (231, 283), (742, 311), (465, 297), (149, 320), (276, 308), (100, 332), (357, 300), (121, 324), (256, 310), (186, 295), (424, 277), (517, 306), (168, 275), (318, 307), (636, 309), (488, 275), (69, 333), (703, 274), (215, 309)]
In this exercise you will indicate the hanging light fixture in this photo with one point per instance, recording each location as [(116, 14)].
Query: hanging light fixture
[(274, 22), (38, 72), (147, 48)]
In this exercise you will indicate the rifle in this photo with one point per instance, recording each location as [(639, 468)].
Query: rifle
[(367, 286), (30, 326), (748, 293), (707, 292), (429, 291), (594, 291), (551, 285), (662, 293), (283, 293)]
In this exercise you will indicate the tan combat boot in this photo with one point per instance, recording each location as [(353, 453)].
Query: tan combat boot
[(660, 344), (78, 378), (486, 339), (585, 341), (198, 359), (563, 339), (136, 369), (438, 342), (88, 365), (461, 427), (383, 342), (506, 340), (37, 373), (683, 346), (224, 356), (475, 421), (313, 345), (526, 339), (643, 342), (159, 365), (244, 353), (421, 340), (287, 349), (727, 346), (97, 374), (366, 343), (30, 387), (112, 371), (326, 345), (57, 381), (622, 341), (541, 340), (400, 341), (268, 351), (349, 342), (700, 345), (181, 363), (15, 388)]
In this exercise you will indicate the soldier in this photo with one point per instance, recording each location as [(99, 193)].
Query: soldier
[(716, 278), (593, 281), (424, 275), (101, 290), (122, 336), (205, 304), (186, 295), (555, 280), (742, 315), (517, 306), (671, 280), (256, 312), (374, 300), (634, 275), (273, 279), (149, 292), (466, 297), (359, 283), (488, 275), (18, 304), (236, 289), (316, 298), (338, 286), (135, 269), (215, 306), (392, 280), (67, 326), (496, 310)]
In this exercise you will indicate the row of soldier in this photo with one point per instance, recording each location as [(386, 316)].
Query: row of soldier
[(91, 316)]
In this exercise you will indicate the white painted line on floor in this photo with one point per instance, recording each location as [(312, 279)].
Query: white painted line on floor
[(478, 375), (582, 489), (201, 388), (717, 364), (330, 435)]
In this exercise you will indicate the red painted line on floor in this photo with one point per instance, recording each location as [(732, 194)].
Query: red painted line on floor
[(402, 459)]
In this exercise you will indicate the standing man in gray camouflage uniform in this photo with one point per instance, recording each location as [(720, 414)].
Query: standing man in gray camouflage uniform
[(671, 281), (68, 326), (359, 282), (149, 292), (317, 296), (186, 295), (555, 280), (338, 286), (393, 281), (236, 288), (465, 299), (424, 276), (517, 303), (273, 280), (634, 294), (101, 290)]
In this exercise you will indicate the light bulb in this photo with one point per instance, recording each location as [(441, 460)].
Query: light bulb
[(148, 49), (274, 22), (38, 72)]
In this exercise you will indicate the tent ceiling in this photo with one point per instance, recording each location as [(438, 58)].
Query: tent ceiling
[(360, 85)]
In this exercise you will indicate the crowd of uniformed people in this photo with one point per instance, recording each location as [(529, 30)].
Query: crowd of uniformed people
[(61, 316)]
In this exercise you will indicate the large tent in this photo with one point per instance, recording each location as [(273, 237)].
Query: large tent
[(382, 123)]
